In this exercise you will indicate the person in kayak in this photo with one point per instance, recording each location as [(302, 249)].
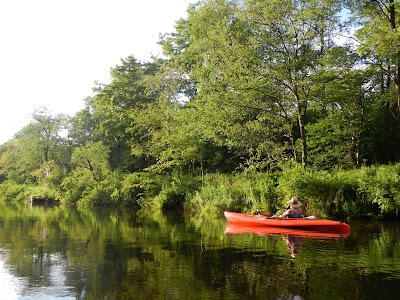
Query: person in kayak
[(294, 210)]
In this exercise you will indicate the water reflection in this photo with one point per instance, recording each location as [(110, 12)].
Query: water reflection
[(290, 297), (47, 280), (9, 284), (271, 231), (71, 253), (293, 243), (293, 238)]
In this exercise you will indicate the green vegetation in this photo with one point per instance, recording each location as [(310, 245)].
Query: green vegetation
[(253, 102)]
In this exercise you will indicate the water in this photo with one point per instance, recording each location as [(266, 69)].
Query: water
[(63, 253)]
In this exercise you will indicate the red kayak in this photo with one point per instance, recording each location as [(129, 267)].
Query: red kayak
[(310, 224), (276, 231)]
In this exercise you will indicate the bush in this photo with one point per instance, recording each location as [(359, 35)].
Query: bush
[(42, 193), (173, 191), (238, 192), (380, 187), (12, 191), (368, 192), (324, 194)]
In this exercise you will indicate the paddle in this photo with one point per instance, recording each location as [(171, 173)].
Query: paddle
[(267, 217)]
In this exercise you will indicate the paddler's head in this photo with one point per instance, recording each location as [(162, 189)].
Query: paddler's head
[(294, 202)]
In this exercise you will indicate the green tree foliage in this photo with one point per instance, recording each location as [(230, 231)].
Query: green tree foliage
[(93, 158), (253, 65), (82, 127), (219, 62), (293, 36), (112, 108), (34, 146), (250, 88), (92, 182), (378, 40), (340, 116), (11, 164)]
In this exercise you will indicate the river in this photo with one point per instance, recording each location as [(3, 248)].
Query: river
[(54, 252)]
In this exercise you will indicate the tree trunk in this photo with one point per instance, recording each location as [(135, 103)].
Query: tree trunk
[(302, 137), (397, 81), (301, 113), (392, 20)]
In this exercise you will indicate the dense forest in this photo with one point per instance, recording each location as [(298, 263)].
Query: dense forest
[(251, 103)]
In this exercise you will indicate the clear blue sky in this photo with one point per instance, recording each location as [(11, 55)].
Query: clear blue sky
[(52, 51)]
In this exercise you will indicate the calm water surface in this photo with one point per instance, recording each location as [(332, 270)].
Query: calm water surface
[(61, 253)]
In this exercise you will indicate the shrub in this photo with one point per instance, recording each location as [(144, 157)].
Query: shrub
[(236, 192), (368, 192), (174, 190), (380, 187), (323, 193), (12, 191)]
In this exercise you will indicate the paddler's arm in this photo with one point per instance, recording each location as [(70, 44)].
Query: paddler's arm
[(285, 214)]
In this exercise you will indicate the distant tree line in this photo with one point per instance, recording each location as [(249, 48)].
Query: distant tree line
[(244, 87)]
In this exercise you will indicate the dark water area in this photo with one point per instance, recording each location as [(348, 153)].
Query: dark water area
[(65, 253)]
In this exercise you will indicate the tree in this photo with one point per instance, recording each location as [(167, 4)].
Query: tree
[(83, 126), (91, 182), (378, 38), (253, 65), (40, 143), (292, 38), (212, 49), (11, 167), (339, 117), (93, 158), (112, 107)]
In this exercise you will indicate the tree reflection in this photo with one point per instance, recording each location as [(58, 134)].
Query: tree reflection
[(102, 253)]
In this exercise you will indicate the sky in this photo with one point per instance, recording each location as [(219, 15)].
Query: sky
[(53, 51)]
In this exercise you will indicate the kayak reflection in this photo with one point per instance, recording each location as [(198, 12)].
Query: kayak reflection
[(292, 236), (266, 230)]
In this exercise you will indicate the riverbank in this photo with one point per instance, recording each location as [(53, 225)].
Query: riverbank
[(365, 193)]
